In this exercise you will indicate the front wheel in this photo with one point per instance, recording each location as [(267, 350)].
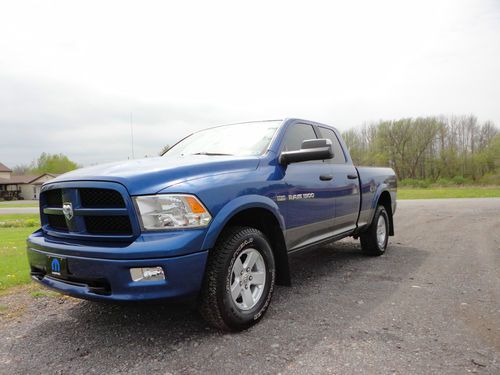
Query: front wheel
[(374, 240), (239, 280)]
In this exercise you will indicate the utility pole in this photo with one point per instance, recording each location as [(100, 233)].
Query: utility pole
[(132, 135)]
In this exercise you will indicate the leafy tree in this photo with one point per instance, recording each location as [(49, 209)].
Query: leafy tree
[(53, 163)]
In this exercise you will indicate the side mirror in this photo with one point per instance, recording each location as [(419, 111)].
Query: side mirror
[(311, 149)]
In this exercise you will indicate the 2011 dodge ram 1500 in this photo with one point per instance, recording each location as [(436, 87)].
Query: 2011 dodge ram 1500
[(215, 218)]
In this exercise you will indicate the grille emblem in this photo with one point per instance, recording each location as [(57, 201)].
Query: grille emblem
[(68, 210)]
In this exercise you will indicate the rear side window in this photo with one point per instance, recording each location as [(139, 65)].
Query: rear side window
[(296, 134), (338, 154)]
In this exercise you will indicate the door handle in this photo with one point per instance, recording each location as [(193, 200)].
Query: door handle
[(352, 176), (326, 177)]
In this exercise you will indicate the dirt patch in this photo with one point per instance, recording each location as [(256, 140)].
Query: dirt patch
[(17, 301)]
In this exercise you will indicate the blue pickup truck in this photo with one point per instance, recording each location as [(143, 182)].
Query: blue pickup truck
[(214, 219)]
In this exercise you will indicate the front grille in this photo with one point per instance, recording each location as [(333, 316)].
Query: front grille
[(108, 224), (54, 198), (58, 222), (101, 198), (97, 212)]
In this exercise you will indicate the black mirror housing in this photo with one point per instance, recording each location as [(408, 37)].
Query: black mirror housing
[(311, 149)]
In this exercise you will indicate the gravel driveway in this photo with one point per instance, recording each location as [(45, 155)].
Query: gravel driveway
[(430, 305)]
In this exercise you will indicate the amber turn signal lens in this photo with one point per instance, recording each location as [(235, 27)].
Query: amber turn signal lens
[(196, 207)]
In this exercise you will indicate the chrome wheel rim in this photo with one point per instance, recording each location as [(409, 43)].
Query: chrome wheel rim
[(381, 232), (248, 279)]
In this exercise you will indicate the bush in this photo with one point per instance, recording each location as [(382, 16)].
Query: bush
[(490, 179), (19, 223), (459, 180), (30, 223), (414, 183), (410, 182), (443, 181)]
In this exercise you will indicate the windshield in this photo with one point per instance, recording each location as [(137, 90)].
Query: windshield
[(248, 139)]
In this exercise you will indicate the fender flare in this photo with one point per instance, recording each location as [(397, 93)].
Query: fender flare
[(235, 206), (376, 197), (380, 189)]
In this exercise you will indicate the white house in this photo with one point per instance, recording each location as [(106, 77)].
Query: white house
[(21, 187), (5, 172)]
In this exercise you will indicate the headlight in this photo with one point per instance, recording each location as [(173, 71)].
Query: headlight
[(171, 211)]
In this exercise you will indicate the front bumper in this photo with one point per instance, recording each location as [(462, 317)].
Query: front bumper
[(109, 279)]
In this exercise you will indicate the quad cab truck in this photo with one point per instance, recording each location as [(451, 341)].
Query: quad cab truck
[(215, 219)]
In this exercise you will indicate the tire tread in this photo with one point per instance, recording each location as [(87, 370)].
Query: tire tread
[(368, 239), (209, 307)]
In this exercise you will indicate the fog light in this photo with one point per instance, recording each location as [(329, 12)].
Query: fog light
[(147, 274)]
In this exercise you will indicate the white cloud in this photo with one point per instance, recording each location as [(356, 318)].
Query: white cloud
[(71, 72)]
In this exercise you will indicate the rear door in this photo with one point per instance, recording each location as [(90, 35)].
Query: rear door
[(309, 208), (345, 185)]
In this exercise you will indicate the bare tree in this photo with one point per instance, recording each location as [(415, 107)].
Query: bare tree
[(427, 147)]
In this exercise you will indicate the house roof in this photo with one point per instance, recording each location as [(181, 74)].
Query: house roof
[(24, 179), (34, 180), (4, 168)]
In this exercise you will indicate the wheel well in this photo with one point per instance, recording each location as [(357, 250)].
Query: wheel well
[(386, 201), (265, 221)]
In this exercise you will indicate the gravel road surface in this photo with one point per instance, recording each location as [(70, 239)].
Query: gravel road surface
[(430, 305)]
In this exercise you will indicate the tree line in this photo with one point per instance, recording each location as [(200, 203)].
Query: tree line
[(456, 148), (431, 148)]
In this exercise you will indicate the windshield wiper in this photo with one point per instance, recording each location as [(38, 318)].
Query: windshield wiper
[(211, 154)]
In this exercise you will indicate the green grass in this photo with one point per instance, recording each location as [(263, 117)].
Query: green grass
[(44, 293), (10, 217), (14, 269), (448, 192), (17, 205)]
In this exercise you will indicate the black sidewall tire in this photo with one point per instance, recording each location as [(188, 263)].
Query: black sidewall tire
[(369, 243), (234, 317)]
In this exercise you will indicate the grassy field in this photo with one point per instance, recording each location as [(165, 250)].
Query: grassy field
[(448, 192), (14, 268)]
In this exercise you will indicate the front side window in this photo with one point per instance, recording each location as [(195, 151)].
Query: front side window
[(338, 154), (295, 135), (248, 139)]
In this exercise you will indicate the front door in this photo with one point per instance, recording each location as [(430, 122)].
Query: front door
[(309, 202)]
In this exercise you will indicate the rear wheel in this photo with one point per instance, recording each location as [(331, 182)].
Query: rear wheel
[(374, 240), (239, 280)]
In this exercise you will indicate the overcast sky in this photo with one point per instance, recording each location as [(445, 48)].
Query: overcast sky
[(71, 72)]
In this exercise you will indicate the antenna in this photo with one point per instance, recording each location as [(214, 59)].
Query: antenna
[(132, 135)]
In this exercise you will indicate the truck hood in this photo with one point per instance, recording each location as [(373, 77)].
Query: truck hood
[(150, 175)]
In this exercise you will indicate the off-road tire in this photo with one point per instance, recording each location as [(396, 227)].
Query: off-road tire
[(216, 304), (369, 241)]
